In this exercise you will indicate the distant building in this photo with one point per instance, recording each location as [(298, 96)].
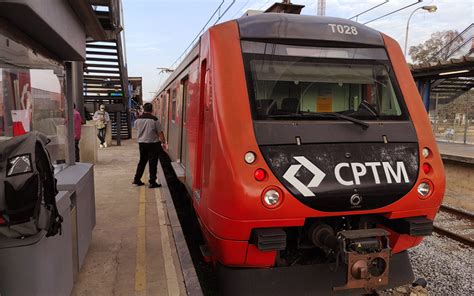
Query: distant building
[(136, 90)]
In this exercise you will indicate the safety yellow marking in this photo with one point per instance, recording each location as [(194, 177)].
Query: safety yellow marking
[(140, 267), (170, 269)]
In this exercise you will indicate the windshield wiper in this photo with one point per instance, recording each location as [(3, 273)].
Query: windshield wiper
[(361, 123)]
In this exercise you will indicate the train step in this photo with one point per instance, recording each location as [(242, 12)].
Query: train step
[(206, 253), (178, 170)]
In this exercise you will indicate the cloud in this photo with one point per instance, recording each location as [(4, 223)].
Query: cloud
[(157, 31)]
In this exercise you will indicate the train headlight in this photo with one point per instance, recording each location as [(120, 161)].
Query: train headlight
[(425, 152), (272, 198), (424, 189), (250, 157)]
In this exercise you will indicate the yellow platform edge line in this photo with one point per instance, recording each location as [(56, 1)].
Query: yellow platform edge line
[(140, 267), (170, 269)]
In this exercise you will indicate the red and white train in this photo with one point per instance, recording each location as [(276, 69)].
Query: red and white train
[(307, 152)]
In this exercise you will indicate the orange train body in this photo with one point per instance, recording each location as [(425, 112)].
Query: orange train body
[(210, 121)]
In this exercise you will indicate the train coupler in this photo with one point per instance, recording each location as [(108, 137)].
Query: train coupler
[(366, 253)]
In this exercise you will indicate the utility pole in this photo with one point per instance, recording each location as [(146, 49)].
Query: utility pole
[(321, 7)]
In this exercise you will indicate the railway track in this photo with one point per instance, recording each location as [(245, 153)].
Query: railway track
[(466, 221)]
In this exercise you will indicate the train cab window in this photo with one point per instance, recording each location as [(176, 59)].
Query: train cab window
[(297, 82), (173, 104)]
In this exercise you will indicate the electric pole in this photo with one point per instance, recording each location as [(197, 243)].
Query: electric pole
[(321, 7)]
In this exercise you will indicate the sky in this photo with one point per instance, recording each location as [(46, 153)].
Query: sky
[(158, 31)]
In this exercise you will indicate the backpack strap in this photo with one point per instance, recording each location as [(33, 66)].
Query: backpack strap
[(43, 164)]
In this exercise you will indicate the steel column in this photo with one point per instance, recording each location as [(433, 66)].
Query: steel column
[(78, 70), (71, 81), (426, 94), (118, 127), (424, 89)]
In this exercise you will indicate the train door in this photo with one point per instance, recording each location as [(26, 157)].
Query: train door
[(183, 132), (166, 115), (206, 122), (198, 170)]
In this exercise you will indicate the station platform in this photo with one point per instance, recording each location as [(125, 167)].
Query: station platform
[(456, 152), (133, 250), (458, 162)]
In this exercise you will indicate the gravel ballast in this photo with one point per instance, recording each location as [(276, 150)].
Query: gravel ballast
[(446, 264)]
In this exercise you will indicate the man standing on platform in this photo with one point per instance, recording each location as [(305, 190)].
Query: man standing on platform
[(150, 134)]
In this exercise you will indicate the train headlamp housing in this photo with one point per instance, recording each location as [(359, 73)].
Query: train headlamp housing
[(424, 189), (260, 174), (425, 152), (426, 168), (250, 157), (272, 197)]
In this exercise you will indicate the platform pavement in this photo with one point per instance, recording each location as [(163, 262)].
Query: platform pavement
[(457, 152), (458, 164), (132, 250)]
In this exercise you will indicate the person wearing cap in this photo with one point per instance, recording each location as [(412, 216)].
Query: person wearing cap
[(150, 138), (101, 118)]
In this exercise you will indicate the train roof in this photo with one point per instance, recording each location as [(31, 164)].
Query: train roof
[(282, 26)]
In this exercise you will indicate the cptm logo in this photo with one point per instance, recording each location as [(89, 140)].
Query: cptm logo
[(290, 176), (397, 175)]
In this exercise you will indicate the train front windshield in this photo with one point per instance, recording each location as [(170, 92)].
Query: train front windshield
[(299, 82)]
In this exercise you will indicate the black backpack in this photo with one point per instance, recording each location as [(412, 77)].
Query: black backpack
[(27, 188)]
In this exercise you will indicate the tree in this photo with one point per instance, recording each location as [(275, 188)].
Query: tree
[(462, 105), (439, 44)]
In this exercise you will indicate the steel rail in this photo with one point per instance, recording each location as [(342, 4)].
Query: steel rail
[(452, 235), (457, 212)]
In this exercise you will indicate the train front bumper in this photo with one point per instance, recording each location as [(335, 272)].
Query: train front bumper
[(318, 279)]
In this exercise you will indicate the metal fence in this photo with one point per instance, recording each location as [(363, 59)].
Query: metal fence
[(454, 122)]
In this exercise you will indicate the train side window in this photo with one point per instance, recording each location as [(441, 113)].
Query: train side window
[(173, 105)]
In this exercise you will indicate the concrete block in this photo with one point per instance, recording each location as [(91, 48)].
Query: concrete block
[(459, 180), (39, 265), (79, 179), (57, 147), (108, 135), (89, 144)]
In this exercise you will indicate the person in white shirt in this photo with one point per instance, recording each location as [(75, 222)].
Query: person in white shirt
[(150, 138)]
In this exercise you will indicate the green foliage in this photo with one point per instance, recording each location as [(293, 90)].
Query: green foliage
[(422, 53)]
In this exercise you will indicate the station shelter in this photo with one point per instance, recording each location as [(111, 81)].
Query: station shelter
[(42, 47)]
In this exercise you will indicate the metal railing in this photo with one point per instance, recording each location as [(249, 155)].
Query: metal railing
[(464, 38)]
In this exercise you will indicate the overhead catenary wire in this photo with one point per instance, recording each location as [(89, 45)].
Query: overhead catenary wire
[(265, 4), (392, 12), (216, 12), (199, 33), (225, 11), (240, 10), (370, 9)]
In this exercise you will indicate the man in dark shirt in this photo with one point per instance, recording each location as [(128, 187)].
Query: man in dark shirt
[(149, 135)]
